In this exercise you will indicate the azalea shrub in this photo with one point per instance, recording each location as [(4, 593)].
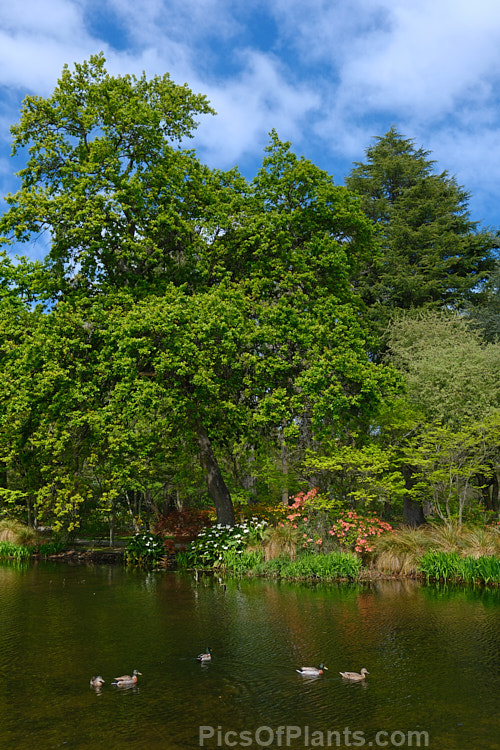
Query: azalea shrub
[(310, 515), (356, 532), (326, 524), (212, 543)]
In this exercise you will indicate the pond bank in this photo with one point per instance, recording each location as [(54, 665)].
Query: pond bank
[(110, 555)]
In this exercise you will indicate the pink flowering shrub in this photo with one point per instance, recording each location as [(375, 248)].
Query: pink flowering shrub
[(309, 517), (357, 532)]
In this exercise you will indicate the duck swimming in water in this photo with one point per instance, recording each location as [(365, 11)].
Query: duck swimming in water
[(127, 680), (312, 671), (207, 656), (355, 676), (97, 682)]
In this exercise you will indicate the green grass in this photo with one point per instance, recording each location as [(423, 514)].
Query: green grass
[(401, 552), (9, 550), (310, 566), (450, 566)]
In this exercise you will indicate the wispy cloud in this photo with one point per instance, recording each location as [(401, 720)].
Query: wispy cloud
[(327, 75)]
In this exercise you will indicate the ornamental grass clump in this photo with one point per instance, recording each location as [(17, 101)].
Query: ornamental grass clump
[(481, 541), (448, 536), (401, 551), (12, 530), (280, 540)]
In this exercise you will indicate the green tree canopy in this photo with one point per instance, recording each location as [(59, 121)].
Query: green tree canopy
[(433, 254), (106, 179), (219, 312), (451, 372)]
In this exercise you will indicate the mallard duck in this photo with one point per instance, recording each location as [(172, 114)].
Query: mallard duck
[(312, 671), (206, 656), (97, 682), (126, 680), (355, 676)]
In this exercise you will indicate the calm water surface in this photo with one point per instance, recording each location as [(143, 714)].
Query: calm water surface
[(433, 656)]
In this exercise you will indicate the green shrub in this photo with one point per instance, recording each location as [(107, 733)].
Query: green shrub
[(488, 569), (145, 549), (439, 565), (309, 565), (50, 548), (212, 543), (241, 562)]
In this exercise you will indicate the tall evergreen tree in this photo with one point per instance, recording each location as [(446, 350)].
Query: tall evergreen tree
[(433, 254)]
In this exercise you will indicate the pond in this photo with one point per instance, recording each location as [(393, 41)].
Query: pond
[(433, 655)]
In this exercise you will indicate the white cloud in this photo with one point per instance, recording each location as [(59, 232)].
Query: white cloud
[(37, 39), (434, 56), (328, 77), (250, 107)]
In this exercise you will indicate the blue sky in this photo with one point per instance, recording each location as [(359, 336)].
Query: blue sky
[(328, 75)]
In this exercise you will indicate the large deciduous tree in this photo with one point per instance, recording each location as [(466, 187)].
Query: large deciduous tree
[(106, 178), (219, 312)]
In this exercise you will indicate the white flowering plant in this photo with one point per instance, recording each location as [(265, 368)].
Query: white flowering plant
[(145, 548), (214, 542)]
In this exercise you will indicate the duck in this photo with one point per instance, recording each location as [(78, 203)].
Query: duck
[(312, 671), (355, 676), (127, 680), (207, 656), (97, 682)]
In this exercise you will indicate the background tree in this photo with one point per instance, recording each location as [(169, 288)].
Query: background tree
[(302, 245), (451, 376), (433, 255), (450, 371), (485, 312), (106, 178)]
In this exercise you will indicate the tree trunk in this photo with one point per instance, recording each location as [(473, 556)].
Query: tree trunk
[(112, 526), (249, 480), (3, 475), (489, 489), (494, 492), (217, 488), (284, 469), (413, 513)]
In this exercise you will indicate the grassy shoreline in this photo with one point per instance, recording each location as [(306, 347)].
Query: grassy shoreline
[(445, 553)]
